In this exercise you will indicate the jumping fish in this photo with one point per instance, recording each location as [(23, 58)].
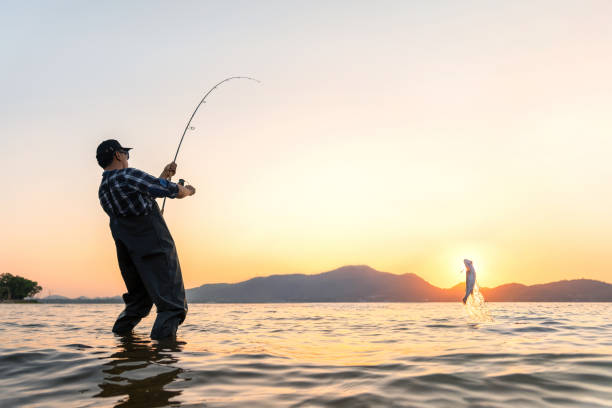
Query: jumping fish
[(470, 278)]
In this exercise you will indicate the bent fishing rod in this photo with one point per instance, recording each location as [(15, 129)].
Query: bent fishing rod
[(187, 127)]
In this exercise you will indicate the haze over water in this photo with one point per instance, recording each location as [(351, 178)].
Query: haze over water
[(311, 355)]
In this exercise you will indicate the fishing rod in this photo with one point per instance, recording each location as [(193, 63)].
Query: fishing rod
[(187, 127)]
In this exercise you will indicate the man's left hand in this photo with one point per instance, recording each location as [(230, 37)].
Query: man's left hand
[(169, 171)]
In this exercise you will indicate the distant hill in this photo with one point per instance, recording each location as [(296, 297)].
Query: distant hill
[(80, 299), (346, 284), (56, 297), (579, 290), (364, 284), (360, 283)]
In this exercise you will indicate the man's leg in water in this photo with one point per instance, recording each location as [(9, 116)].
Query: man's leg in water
[(137, 300), (160, 271), (161, 275)]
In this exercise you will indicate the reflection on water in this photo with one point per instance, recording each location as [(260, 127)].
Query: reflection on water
[(311, 355), (139, 371)]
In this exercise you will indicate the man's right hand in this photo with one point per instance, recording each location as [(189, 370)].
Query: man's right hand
[(185, 191)]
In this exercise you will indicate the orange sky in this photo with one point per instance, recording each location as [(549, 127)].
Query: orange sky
[(404, 137)]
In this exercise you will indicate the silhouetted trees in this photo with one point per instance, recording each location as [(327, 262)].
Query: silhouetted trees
[(16, 288)]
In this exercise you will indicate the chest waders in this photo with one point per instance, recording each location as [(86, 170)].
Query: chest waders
[(151, 271)]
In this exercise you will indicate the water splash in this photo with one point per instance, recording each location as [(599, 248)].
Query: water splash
[(476, 306)]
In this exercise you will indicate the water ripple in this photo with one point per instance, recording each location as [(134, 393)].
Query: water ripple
[(311, 355)]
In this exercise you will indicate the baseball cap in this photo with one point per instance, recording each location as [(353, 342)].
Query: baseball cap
[(106, 150)]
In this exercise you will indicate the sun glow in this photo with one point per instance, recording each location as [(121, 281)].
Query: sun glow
[(479, 256)]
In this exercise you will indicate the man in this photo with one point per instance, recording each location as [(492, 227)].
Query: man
[(145, 249)]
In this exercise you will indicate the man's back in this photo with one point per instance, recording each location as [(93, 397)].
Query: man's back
[(131, 192)]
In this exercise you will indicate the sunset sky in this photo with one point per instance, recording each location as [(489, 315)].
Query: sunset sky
[(403, 135)]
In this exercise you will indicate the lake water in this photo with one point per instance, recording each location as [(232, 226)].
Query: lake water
[(311, 355)]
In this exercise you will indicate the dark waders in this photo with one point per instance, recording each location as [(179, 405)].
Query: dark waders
[(150, 268)]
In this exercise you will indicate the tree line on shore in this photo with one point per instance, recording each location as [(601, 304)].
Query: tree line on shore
[(16, 287)]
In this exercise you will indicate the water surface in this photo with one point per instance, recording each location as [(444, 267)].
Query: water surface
[(311, 355)]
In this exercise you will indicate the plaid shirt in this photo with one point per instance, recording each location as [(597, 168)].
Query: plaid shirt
[(126, 192)]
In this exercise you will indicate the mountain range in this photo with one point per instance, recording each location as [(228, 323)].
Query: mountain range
[(361, 283)]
